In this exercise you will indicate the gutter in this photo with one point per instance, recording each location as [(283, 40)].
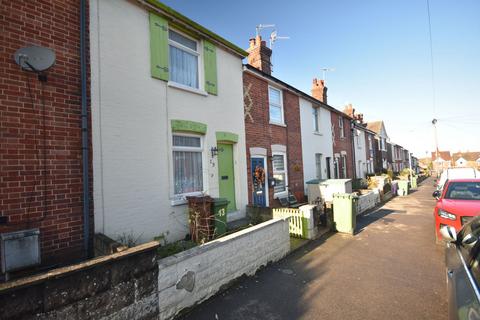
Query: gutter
[(85, 132), (179, 18)]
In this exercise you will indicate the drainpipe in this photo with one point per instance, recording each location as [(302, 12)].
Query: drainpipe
[(85, 145), (352, 135)]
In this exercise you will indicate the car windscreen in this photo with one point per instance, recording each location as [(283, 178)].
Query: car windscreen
[(463, 191)]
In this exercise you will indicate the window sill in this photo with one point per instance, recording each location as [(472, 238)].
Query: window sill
[(278, 124), (317, 133), (182, 199), (187, 88)]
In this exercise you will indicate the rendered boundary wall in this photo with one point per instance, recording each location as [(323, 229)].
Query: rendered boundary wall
[(194, 275)]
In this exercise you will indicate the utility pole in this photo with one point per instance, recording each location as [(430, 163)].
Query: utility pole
[(434, 122)]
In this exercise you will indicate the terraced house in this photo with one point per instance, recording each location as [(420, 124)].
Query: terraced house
[(167, 119), (272, 124)]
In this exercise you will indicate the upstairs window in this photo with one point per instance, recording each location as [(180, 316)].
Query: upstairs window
[(184, 57), (340, 126), (275, 105), (315, 119)]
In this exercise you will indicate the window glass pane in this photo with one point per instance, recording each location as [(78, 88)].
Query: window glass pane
[(177, 37), (182, 141), (318, 165), (274, 96), (187, 171), (275, 114), (315, 119), (278, 163), (183, 67), (279, 182)]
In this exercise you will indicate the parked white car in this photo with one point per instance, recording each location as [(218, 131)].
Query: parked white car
[(456, 173)]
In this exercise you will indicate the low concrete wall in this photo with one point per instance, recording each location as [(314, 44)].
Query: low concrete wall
[(118, 286), (367, 201), (192, 276)]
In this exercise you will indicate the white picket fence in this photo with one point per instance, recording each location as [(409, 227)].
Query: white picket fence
[(296, 220)]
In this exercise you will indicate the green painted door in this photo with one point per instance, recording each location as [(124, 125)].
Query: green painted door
[(226, 178)]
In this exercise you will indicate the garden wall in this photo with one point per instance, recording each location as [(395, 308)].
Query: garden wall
[(368, 201), (194, 275), (119, 286)]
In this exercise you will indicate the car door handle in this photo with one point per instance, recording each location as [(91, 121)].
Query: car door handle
[(450, 273)]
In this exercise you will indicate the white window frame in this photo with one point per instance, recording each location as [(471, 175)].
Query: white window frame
[(282, 122), (340, 125), (178, 199), (318, 165), (343, 159), (284, 171), (191, 51), (316, 125)]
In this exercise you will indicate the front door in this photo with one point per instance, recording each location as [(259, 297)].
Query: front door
[(259, 179), (226, 177), (329, 174)]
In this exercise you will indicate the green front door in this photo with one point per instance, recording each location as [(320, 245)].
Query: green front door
[(226, 178)]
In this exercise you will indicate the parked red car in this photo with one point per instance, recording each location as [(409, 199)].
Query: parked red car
[(457, 203)]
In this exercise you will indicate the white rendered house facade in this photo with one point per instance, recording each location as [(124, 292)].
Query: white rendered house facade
[(167, 119), (317, 144)]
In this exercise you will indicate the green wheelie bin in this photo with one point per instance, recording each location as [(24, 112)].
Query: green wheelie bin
[(345, 212), (219, 211)]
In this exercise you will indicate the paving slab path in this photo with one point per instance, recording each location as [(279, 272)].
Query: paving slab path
[(390, 269)]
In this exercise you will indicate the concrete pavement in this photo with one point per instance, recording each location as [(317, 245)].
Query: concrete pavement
[(391, 269)]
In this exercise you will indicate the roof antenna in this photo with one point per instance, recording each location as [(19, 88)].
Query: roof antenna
[(325, 70), (274, 37), (260, 27)]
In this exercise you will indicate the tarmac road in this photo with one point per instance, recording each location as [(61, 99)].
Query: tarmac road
[(391, 269)]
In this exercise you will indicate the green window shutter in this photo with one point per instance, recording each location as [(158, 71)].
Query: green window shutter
[(210, 62), (158, 47)]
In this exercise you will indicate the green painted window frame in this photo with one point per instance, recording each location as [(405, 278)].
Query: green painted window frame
[(188, 126)]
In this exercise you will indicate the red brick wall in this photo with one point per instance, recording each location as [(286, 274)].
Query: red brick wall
[(29, 198), (343, 144), (260, 133)]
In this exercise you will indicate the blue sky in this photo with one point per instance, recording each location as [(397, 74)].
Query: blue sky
[(381, 55)]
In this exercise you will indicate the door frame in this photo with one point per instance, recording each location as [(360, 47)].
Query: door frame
[(267, 194)]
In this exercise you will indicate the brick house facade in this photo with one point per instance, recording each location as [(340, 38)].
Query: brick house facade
[(40, 134), (275, 143)]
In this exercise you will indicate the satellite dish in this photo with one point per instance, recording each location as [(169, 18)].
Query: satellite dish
[(34, 58)]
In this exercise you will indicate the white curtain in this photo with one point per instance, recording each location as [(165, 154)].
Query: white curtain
[(188, 171), (183, 67)]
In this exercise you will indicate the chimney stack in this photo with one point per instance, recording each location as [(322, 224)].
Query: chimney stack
[(349, 110), (259, 55), (319, 91)]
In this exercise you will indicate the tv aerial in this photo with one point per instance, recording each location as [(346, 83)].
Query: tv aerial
[(274, 37), (260, 27), (325, 70), (35, 59)]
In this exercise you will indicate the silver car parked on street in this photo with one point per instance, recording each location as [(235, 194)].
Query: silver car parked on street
[(462, 257)]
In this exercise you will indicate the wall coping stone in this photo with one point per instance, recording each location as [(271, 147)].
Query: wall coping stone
[(64, 271), (176, 258)]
